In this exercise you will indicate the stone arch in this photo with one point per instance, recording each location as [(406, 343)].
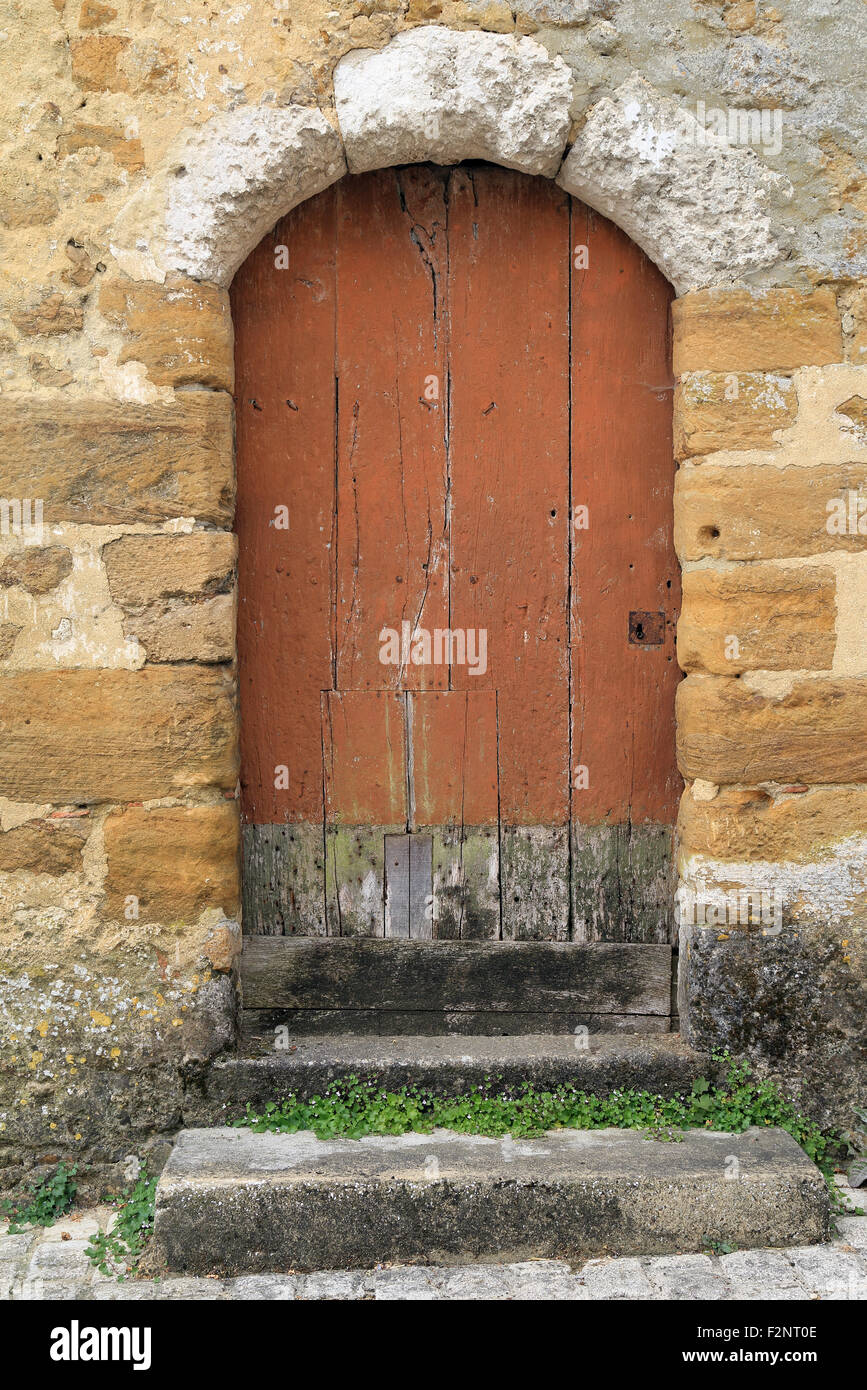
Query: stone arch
[(701, 209), (711, 216)]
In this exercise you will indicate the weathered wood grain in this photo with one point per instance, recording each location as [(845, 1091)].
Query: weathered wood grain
[(509, 309), (534, 870), (623, 883), (364, 751), (454, 758), (283, 880), (455, 976), (259, 1027), (392, 511)]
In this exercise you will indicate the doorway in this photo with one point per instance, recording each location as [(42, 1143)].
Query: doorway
[(458, 589)]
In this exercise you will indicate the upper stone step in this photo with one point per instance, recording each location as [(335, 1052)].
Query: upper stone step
[(597, 1063), (232, 1201)]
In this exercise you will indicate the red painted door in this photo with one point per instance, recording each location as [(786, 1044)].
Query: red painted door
[(458, 589)]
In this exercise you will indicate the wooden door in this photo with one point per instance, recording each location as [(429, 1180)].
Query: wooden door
[(458, 591)]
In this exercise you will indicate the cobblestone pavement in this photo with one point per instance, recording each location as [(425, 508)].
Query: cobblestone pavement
[(51, 1265)]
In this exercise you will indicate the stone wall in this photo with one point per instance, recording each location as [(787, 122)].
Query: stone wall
[(772, 718), (147, 148)]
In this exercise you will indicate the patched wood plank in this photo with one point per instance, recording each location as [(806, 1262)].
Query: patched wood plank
[(420, 887), (364, 752), (456, 976), (454, 758), (397, 892)]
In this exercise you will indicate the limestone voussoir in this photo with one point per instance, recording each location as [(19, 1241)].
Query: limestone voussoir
[(223, 186), (706, 212), (445, 96)]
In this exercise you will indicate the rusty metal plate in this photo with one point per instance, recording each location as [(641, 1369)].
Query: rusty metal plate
[(646, 629)]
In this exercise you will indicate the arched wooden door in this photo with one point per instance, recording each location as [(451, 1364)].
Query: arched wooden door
[(458, 590)]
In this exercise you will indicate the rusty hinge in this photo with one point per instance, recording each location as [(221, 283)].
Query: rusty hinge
[(646, 629)]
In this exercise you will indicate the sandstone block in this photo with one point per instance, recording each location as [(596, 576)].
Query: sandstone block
[(768, 331), (729, 733), (182, 330), (151, 569), (90, 736), (8, 635), (44, 846), (767, 513), (203, 631), (858, 345), (759, 617), (95, 63), (129, 153), (26, 207), (36, 569), (92, 14), (100, 462), (717, 410), (54, 315), (175, 861), (750, 824)]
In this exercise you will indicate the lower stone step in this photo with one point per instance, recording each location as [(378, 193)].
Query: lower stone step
[(231, 1201), (447, 1066)]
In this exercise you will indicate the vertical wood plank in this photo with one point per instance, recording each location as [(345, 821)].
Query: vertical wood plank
[(392, 515), (509, 283), (285, 401), (408, 886), (364, 756), (420, 886), (623, 472), (509, 287), (454, 773), (283, 880)]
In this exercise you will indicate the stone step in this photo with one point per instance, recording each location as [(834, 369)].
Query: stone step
[(447, 1066), (230, 1201)]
